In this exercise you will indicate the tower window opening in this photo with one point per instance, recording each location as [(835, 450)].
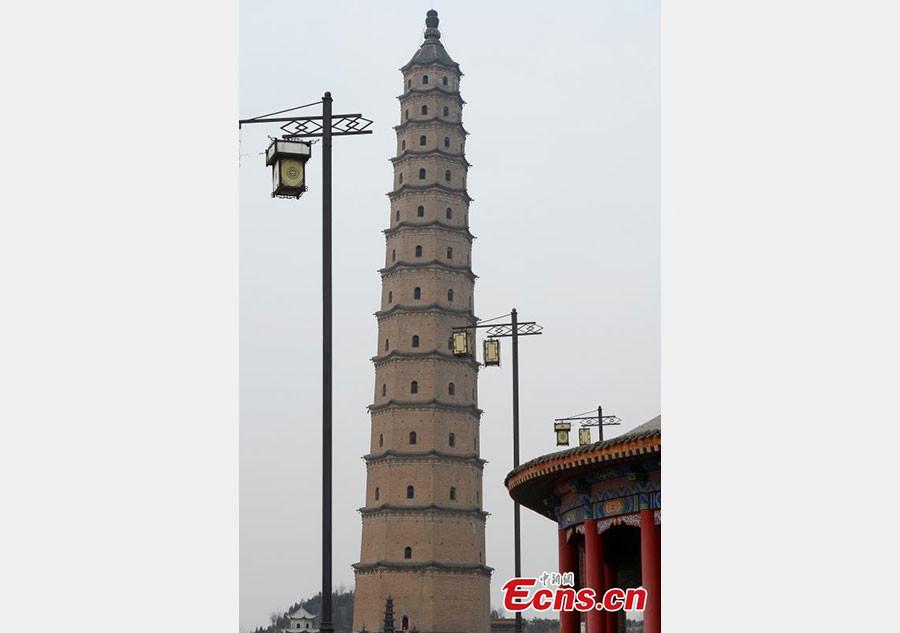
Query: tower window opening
[(449, 213), (446, 111), (420, 212), (452, 440), (410, 492), (397, 215), (406, 114), (390, 296), (446, 141), (450, 343), (447, 175), (450, 295), (414, 387), (417, 293), (444, 80), (381, 435), (449, 252), (424, 80), (415, 340), (404, 623), (376, 494), (423, 140), (409, 83), (424, 109), (452, 493), (475, 444), (412, 437), (418, 251), (394, 255), (422, 174), (407, 553), (451, 389), (403, 144), (387, 344), (383, 394), (401, 178)]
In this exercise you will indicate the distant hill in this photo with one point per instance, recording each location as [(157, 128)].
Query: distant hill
[(341, 610)]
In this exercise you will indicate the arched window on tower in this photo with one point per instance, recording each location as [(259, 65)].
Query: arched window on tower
[(409, 83), (394, 255), (423, 140), (403, 145), (383, 394), (450, 295), (381, 435), (422, 174), (424, 109), (452, 493), (424, 80), (406, 114), (417, 293), (410, 492), (390, 296), (449, 252), (415, 340), (376, 494), (404, 623), (412, 437), (414, 387), (401, 177), (444, 80), (451, 389), (420, 212), (447, 175), (452, 440), (446, 111), (446, 141), (397, 215), (418, 251), (450, 343), (407, 553), (387, 344), (449, 213)]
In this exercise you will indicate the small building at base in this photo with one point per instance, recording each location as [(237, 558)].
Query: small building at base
[(605, 498), (301, 620)]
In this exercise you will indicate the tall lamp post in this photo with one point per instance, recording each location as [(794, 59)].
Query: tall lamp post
[(288, 158), (464, 345)]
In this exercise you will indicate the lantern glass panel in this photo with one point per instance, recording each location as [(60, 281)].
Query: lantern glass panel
[(562, 433), (584, 436), (492, 352), (460, 343)]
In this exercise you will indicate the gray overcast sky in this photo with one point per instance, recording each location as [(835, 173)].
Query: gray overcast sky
[(563, 111)]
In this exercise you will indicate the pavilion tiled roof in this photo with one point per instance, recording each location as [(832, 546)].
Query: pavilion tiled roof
[(649, 429)]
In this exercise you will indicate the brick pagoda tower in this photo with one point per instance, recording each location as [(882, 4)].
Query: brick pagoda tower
[(423, 524)]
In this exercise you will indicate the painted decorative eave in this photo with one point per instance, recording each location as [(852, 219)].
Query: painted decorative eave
[(406, 224), (646, 439)]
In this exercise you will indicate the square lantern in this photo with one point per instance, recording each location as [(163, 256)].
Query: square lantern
[(584, 436), (461, 345), (562, 433), (492, 352), (288, 162)]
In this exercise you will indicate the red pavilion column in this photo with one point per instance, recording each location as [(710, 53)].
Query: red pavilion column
[(569, 621), (611, 617), (650, 571), (594, 578)]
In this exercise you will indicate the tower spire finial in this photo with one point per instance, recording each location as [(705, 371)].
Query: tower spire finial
[(431, 25)]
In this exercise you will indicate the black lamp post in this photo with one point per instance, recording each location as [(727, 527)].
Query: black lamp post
[(288, 179), (463, 345)]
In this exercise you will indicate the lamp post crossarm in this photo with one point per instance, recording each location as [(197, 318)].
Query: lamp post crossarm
[(501, 330), (592, 420), (312, 126)]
